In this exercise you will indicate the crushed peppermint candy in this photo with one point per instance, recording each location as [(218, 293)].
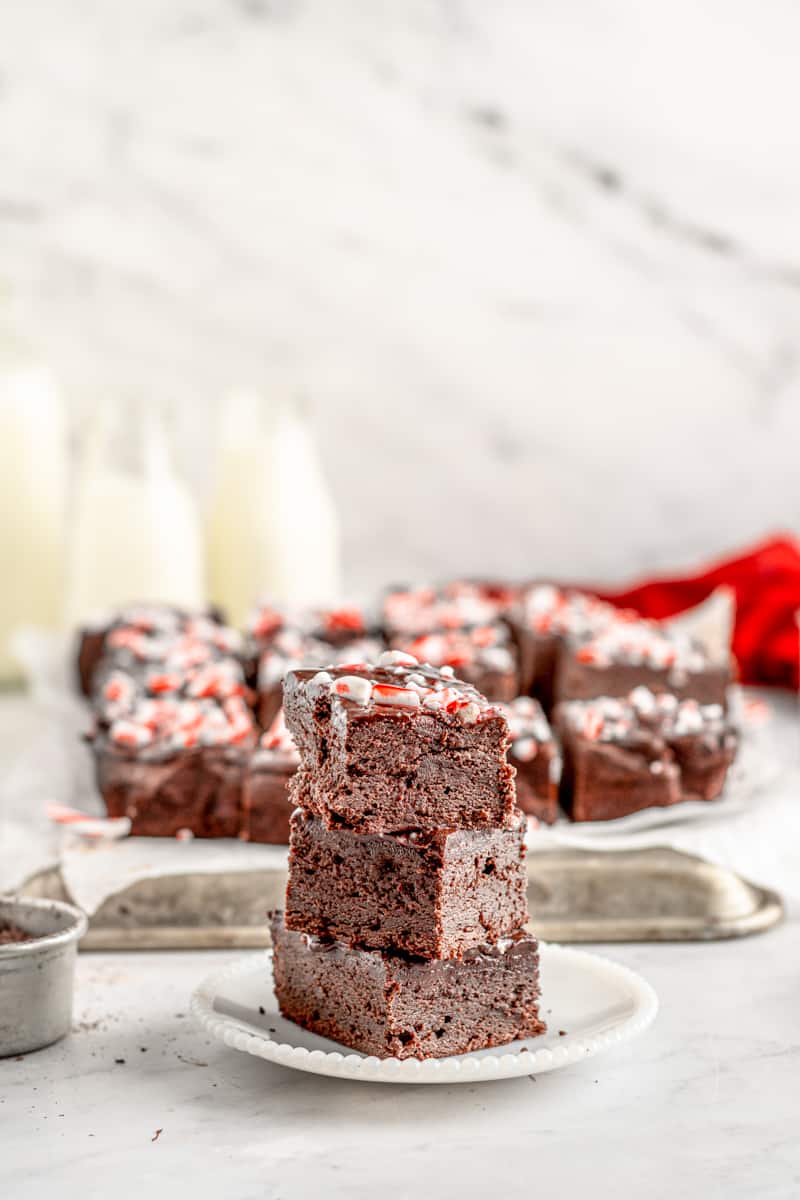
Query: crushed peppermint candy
[(325, 624), (613, 719), (527, 727), (277, 737), (172, 724), (486, 645), (354, 687), (545, 608), (414, 612), (640, 643), (389, 693), (292, 649)]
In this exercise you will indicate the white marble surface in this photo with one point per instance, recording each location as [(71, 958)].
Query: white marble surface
[(528, 262), (704, 1105)]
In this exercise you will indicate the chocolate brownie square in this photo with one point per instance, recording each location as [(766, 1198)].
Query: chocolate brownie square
[(266, 806), (147, 630), (433, 893), (613, 765), (535, 756), (483, 655), (197, 790), (171, 742), (398, 746), (623, 755), (393, 1005), (701, 737), (543, 619), (629, 653)]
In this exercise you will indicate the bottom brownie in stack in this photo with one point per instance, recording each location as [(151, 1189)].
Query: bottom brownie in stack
[(394, 1005), (404, 941)]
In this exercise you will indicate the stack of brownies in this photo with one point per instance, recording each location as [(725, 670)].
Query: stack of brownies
[(402, 934)]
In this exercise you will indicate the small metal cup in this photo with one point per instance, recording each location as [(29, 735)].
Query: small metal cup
[(36, 977)]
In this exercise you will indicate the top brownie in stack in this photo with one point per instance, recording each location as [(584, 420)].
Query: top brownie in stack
[(398, 746)]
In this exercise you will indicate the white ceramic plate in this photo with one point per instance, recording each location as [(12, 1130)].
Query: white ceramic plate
[(595, 1002)]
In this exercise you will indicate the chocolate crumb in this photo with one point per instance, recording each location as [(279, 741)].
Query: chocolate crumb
[(262, 1010), (156, 1135), (562, 1033), (121, 1061)]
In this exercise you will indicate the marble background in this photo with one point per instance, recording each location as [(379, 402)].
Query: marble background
[(535, 265)]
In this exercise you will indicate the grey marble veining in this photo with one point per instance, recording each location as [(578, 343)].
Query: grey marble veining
[(537, 267)]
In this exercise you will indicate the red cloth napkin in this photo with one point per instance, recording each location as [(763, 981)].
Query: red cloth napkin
[(766, 583)]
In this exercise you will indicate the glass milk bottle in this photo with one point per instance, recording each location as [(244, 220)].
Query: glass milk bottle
[(301, 529), (135, 535), (33, 467), (273, 530), (234, 545)]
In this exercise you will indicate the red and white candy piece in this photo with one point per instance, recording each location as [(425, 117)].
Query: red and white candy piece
[(220, 679), (392, 658), (592, 724), (239, 717), (118, 688), (468, 713), (128, 733), (319, 682), (161, 682), (86, 825), (278, 737), (524, 749), (400, 697), (354, 687)]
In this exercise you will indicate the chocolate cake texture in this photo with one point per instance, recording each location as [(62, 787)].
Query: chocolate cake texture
[(393, 1005), (398, 746), (433, 893)]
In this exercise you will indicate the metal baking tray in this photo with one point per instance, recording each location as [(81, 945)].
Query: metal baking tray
[(652, 895)]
